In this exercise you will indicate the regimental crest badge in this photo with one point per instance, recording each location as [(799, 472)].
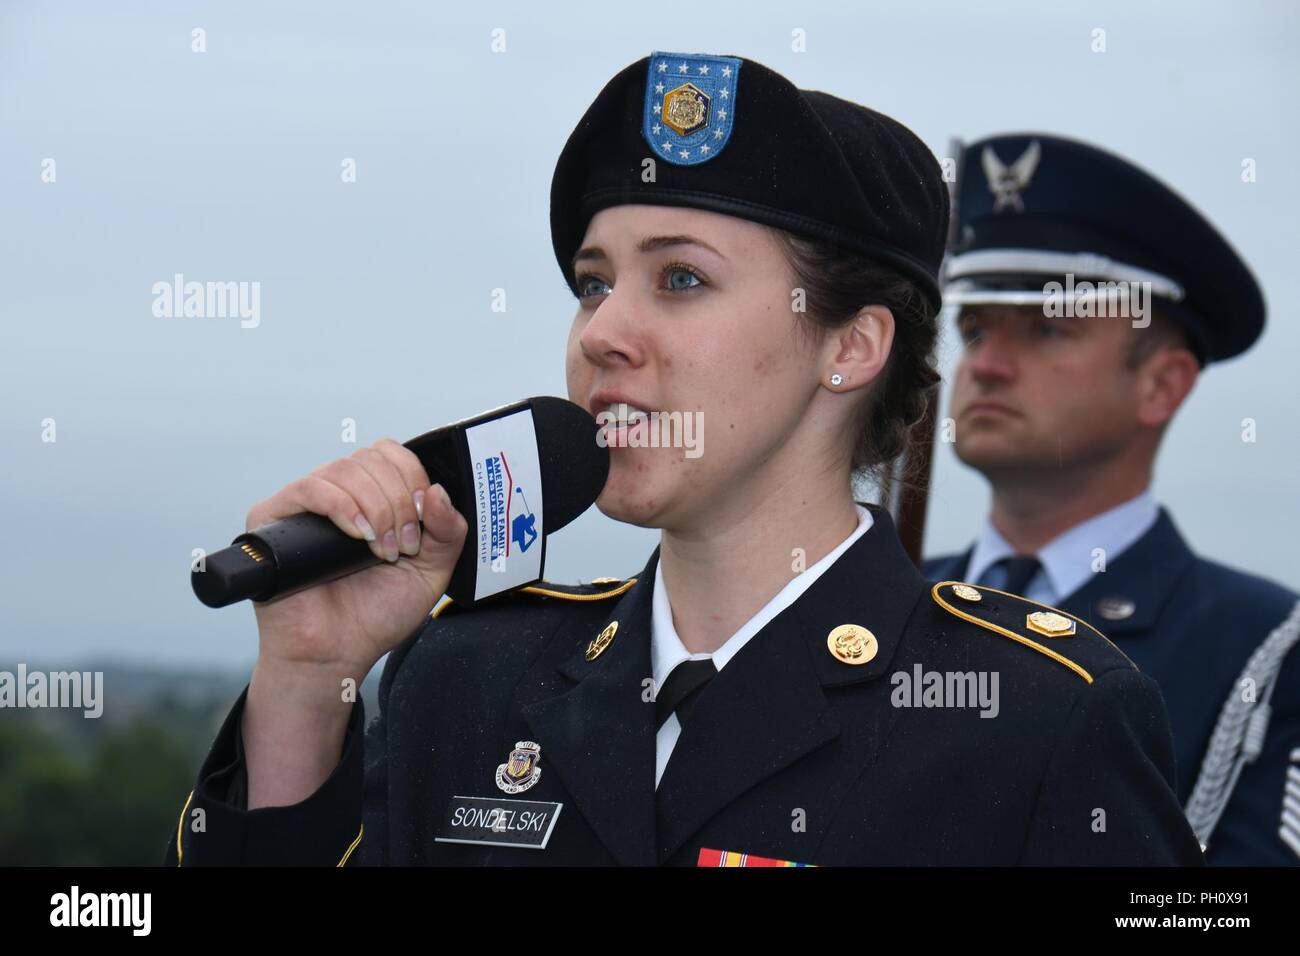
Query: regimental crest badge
[(520, 771), (690, 105)]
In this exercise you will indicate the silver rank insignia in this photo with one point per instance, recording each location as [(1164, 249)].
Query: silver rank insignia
[(690, 105), (521, 771)]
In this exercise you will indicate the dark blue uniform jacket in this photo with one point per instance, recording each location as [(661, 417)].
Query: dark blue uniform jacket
[(790, 752)]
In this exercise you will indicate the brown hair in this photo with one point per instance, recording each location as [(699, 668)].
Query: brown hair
[(1163, 332), (837, 283)]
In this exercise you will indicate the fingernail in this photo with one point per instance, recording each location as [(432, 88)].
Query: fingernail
[(390, 547), (442, 493), (364, 526), (410, 539), (418, 498)]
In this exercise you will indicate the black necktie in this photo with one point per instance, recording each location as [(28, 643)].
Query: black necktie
[(682, 689), (1019, 570)]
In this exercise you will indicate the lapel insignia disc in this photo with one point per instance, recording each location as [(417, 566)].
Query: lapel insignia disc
[(521, 771), (966, 592), (602, 641), (689, 108), (1116, 608), (852, 644), (1050, 624)]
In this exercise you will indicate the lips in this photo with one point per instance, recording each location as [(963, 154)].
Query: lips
[(623, 416), (989, 408), (616, 403)]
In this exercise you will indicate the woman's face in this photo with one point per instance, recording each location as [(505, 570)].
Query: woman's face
[(689, 312)]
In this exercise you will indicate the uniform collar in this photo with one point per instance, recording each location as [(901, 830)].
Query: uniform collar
[(666, 647), (1137, 584), (1069, 560)]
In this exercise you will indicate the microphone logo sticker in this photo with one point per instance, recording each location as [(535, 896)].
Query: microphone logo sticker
[(523, 531), (507, 502), (511, 521)]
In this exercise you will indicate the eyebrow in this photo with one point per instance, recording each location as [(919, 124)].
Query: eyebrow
[(648, 244)]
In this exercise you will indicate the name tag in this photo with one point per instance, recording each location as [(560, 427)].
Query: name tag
[(493, 821)]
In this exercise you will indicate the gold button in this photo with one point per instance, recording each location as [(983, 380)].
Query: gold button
[(966, 592), (1050, 624), (597, 647), (606, 580), (852, 644)]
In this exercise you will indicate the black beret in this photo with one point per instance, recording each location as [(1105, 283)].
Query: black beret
[(732, 136), (1032, 208)]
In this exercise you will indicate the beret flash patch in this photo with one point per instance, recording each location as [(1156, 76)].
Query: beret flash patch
[(690, 105)]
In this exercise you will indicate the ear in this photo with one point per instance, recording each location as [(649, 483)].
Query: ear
[(1164, 381), (858, 351)]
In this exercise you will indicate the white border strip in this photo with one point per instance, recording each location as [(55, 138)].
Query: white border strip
[(1086, 264)]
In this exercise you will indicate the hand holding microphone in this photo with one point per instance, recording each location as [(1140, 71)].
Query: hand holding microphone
[(320, 641), (352, 621), (504, 479), (316, 558)]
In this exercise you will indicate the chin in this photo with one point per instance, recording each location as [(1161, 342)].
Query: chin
[(987, 451), (1008, 460), (631, 494), (627, 509), (624, 496)]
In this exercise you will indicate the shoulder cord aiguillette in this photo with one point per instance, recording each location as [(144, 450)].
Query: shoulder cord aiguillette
[(1238, 737)]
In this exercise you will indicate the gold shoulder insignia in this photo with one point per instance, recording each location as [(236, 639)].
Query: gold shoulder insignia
[(598, 590), (1038, 621)]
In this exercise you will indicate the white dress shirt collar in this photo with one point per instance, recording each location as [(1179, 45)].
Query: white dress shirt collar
[(667, 650), (1069, 561)]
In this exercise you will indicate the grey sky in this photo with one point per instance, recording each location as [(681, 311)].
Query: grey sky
[(375, 296)]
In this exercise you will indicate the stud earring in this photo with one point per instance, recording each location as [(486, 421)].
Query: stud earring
[(837, 379)]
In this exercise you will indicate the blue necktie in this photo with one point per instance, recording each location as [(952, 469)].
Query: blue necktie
[(1019, 570)]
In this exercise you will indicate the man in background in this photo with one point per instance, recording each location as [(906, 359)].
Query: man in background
[(1089, 297)]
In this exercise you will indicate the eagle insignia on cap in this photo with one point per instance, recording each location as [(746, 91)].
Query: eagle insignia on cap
[(1008, 182), (689, 106)]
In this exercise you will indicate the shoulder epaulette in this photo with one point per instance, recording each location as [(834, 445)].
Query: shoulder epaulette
[(1023, 621), (598, 589)]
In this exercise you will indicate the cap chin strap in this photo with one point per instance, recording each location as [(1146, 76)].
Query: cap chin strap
[(962, 272)]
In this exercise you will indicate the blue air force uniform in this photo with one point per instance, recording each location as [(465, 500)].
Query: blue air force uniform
[(1033, 209), (796, 750)]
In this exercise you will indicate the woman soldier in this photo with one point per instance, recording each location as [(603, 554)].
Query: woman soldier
[(778, 682)]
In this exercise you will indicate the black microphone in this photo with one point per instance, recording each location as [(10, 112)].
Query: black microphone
[(517, 473)]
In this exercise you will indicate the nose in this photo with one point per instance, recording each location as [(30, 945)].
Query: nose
[(611, 338)]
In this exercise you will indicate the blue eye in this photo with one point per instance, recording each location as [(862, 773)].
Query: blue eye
[(584, 291), (676, 269), (680, 278)]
